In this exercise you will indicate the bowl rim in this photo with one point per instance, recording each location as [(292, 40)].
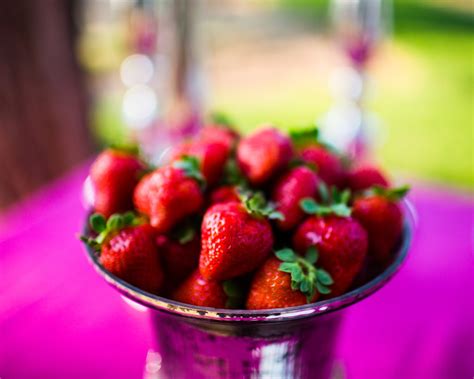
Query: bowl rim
[(163, 304)]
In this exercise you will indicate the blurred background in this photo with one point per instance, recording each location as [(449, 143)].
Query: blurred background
[(77, 75), (388, 81)]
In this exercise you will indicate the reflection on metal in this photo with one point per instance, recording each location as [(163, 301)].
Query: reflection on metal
[(152, 365), (299, 342), (138, 307)]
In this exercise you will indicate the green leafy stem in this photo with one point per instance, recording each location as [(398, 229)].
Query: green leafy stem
[(305, 276), (332, 202), (235, 293), (191, 168), (105, 228), (257, 205), (392, 194)]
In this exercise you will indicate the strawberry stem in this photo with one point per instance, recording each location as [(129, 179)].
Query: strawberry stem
[(184, 233), (332, 202), (256, 204), (233, 175), (310, 206), (392, 194), (105, 228), (305, 277), (129, 149), (235, 294), (221, 119), (189, 164), (304, 137), (299, 162)]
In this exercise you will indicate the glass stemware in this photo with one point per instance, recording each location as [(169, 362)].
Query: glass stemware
[(359, 26), (152, 77)]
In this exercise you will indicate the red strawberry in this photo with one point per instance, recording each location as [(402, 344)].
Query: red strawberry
[(365, 177), (262, 154), (382, 217), (329, 166), (296, 184), (179, 151), (295, 281), (128, 251), (341, 243), (197, 290), (271, 288), (221, 134), (114, 175), (224, 194), (212, 157), (235, 239), (180, 256), (169, 194)]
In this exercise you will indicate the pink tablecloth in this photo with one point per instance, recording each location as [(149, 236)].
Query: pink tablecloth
[(58, 319)]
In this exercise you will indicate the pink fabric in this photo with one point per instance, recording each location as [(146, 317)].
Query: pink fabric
[(59, 319)]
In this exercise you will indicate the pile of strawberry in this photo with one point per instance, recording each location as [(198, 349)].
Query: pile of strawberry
[(268, 220)]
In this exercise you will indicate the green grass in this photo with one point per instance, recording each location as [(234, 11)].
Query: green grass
[(431, 129)]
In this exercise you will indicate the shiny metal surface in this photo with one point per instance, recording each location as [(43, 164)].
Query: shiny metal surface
[(297, 342)]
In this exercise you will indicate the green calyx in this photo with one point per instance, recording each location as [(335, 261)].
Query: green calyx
[(105, 228), (221, 119), (332, 202), (298, 162), (305, 276), (392, 194), (184, 233), (129, 149), (190, 166), (235, 294), (147, 170), (256, 204), (233, 175), (304, 137)]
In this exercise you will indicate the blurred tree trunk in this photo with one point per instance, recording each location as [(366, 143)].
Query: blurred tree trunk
[(43, 119)]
